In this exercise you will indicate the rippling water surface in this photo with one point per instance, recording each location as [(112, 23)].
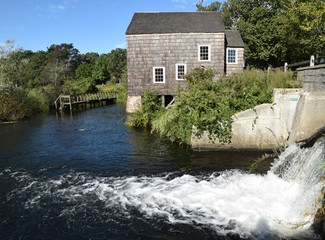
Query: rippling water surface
[(88, 176)]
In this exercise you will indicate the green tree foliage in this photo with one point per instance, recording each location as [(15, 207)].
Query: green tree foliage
[(257, 22), (79, 86), (303, 25), (100, 71), (16, 63), (38, 78), (7, 61), (84, 70), (214, 6), (62, 60), (117, 65), (34, 68), (277, 31), (90, 58)]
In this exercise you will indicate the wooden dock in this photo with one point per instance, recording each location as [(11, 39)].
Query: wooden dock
[(83, 100)]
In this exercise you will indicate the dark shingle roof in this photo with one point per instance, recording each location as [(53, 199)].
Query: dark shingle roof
[(234, 39), (175, 22)]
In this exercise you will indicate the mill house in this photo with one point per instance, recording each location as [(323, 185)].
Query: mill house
[(162, 47)]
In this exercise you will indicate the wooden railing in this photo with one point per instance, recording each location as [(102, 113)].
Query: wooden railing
[(311, 62), (64, 101)]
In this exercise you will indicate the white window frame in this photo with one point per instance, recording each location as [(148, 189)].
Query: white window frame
[(227, 55), (154, 74), (185, 71), (199, 53)]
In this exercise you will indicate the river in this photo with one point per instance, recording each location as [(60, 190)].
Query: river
[(87, 176)]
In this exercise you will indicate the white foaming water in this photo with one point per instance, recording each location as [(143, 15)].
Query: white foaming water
[(281, 203)]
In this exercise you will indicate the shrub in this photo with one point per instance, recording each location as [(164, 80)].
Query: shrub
[(15, 103), (209, 105), (38, 100), (151, 106)]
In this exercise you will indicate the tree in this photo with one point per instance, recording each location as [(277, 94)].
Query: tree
[(277, 31), (100, 71), (62, 60), (8, 60), (257, 22), (15, 101), (84, 70), (214, 6), (303, 25), (90, 57), (34, 68), (117, 64)]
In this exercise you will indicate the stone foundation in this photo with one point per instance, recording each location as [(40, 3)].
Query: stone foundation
[(133, 104)]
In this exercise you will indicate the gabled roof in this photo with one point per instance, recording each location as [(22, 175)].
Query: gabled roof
[(175, 22), (234, 39)]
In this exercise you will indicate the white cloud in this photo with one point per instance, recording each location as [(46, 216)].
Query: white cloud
[(54, 9)]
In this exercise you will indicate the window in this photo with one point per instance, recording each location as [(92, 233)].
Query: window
[(204, 53), (231, 55), (159, 75), (180, 71)]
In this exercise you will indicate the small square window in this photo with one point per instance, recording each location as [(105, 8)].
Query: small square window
[(204, 53), (180, 71), (158, 74), (231, 56)]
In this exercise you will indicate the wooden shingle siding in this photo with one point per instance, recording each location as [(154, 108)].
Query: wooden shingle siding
[(146, 51), (233, 68), (159, 42)]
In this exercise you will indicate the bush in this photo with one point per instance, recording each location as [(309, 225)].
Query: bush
[(15, 103), (151, 106), (38, 100), (209, 105)]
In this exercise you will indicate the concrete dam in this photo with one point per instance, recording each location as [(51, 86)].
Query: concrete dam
[(296, 115)]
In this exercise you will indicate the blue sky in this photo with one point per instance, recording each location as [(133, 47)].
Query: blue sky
[(91, 25)]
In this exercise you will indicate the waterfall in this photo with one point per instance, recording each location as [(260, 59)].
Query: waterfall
[(281, 203)]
